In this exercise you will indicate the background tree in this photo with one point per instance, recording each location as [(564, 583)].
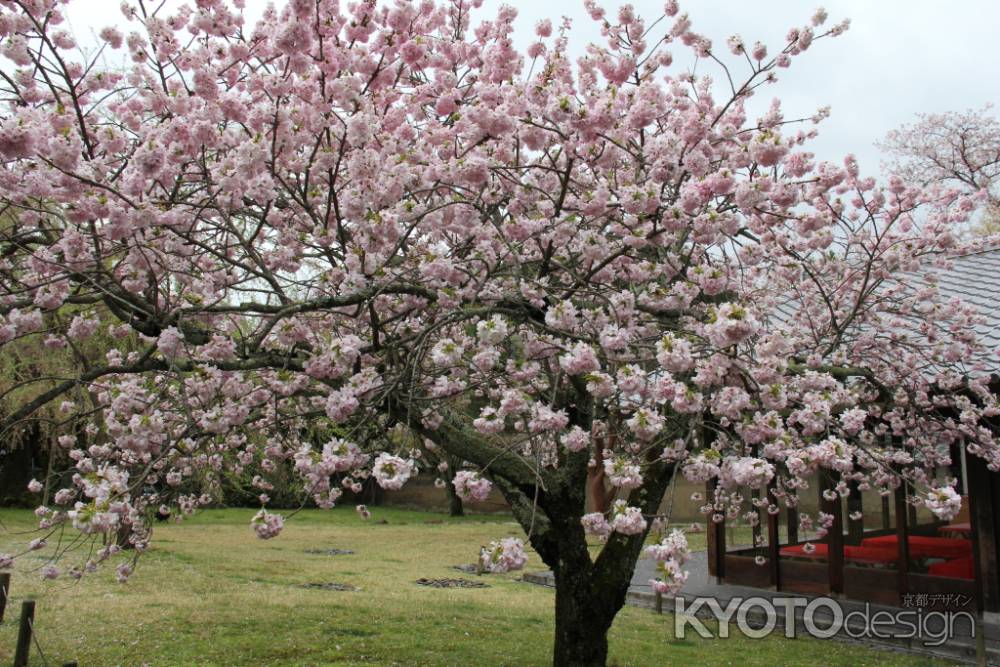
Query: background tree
[(960, 149), (342, 220), (435, 460), (29, 368), (447, 467)]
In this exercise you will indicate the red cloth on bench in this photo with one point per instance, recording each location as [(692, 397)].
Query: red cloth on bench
[(958, 568), (862, 554), (924, 546), (955, 529)]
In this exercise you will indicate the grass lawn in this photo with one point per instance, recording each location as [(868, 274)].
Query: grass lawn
[(211, 593)]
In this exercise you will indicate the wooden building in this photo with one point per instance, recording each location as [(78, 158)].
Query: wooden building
[(902, 558)]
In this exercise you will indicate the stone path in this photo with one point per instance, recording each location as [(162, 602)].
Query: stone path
[(698, 583)]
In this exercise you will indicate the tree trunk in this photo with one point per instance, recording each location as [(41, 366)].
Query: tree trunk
[(549, 505), (121, 537), (581, 638), (600, 495), (22, 459), (455, 507)]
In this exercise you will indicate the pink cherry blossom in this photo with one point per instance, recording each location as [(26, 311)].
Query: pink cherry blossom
[(391, 472), (627, 520), (596, 524), (944, 502), (351, 227), (266, 525), (623, 472), (470, 485), (505, 555)]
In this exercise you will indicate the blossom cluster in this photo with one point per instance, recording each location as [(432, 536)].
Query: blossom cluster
[(504, 555), (670, 555), (391, 472), (560, 273), (267, 525), (470, 485)]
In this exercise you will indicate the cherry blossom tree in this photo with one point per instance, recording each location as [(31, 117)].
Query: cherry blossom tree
[(348, 219), (961, 149), (27, 367)]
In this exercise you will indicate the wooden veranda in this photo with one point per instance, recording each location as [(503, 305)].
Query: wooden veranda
[(937, 563)]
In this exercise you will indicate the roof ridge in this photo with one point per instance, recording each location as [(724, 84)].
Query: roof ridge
[(981, 251)]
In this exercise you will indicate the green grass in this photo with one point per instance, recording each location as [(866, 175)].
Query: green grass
[(211, 593)]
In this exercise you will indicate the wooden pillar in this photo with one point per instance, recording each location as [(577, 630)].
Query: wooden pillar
[(793, 522), (886, 524), (855, 527), (4, 592), (24, 631), (716, 538), (756, 530), (773, 546), (956, 469), (835, 534), (984, 515), (903, 541)]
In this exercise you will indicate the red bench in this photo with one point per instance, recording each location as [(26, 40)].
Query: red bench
[(863, 554), (923, 546), (956, 529), (958, 568)]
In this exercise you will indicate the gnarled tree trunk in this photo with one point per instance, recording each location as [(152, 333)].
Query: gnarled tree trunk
[(582, 621), (589, 592), (549, 504), (455, 507)]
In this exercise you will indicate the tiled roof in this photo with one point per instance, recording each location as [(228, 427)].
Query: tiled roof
[(975, 279)]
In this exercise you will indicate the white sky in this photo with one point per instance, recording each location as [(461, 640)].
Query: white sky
[(900, 57)]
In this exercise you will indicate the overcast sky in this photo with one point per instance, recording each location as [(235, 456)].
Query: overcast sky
[(900, 57)]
